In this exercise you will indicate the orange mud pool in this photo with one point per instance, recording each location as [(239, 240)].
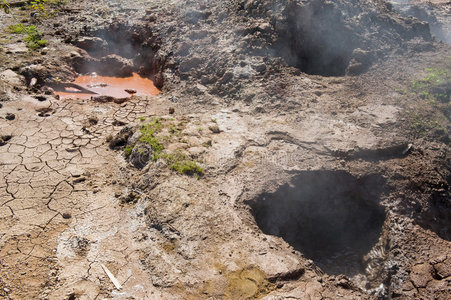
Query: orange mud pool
[(110, 86)]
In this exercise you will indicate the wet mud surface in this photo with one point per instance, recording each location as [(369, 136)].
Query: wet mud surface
[(109, 86), (297, 150)]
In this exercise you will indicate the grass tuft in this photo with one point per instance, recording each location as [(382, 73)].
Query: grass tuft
[(33, 39)]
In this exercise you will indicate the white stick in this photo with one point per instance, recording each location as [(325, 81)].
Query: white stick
[(112, 278)]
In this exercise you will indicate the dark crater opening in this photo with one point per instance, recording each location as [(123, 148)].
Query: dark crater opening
[(315, 39), (331, 217), (119, 50)]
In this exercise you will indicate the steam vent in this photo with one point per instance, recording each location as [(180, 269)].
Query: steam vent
[(331, 217), (225, 149)]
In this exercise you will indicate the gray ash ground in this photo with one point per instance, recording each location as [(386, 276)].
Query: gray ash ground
[(320, 129)]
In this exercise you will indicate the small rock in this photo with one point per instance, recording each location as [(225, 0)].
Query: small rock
[(10, 116), (189, 64), (130, 198), (80, 245), (67, 216), (118, 123), (89, 43), (214, 128), (140, 156), (132, 140), (115, 65), (183, 49), (79, 180), (158, 80), (260, 68), (130, 91), (360, 62), (227, 77), (48, 90), (106, 99), (121, 138), (41, 98), (4, 139), (93, 120), (11, 77), (33, 82), (171, 110)]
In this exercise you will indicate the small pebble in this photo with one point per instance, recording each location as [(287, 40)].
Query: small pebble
[(67, 216), (10, 116)]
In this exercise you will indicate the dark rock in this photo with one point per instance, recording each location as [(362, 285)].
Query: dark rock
[(106, 99), (171, 110), (130, 198), (118, 123), (158, 80), (205, 79), (120, 140), (130, 91), (260, 68), (10, 116), (183, 49), (48, 91), (91, 44), (79, 180), (67, 216), (189, 64), (214, 128), (360, 62), (41, 98), (226, 78), (4, 139), (140, 156), (115, 65), (92, 120)]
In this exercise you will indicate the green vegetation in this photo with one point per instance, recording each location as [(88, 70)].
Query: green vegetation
[(46, 8), (433, 109), (128, 150), (156, 134), (434, 86), (421, 124), (183, 165), (173, 130), (19, 28), (5, 6), (33, 38), (149, 131)]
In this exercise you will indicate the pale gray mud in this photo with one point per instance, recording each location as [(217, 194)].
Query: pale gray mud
[(297, 150)]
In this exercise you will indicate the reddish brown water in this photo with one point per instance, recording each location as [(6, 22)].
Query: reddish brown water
[(110, 86)]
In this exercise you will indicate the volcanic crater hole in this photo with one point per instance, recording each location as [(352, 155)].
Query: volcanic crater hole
[(118, 61), (331, 217), (316, 40)]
